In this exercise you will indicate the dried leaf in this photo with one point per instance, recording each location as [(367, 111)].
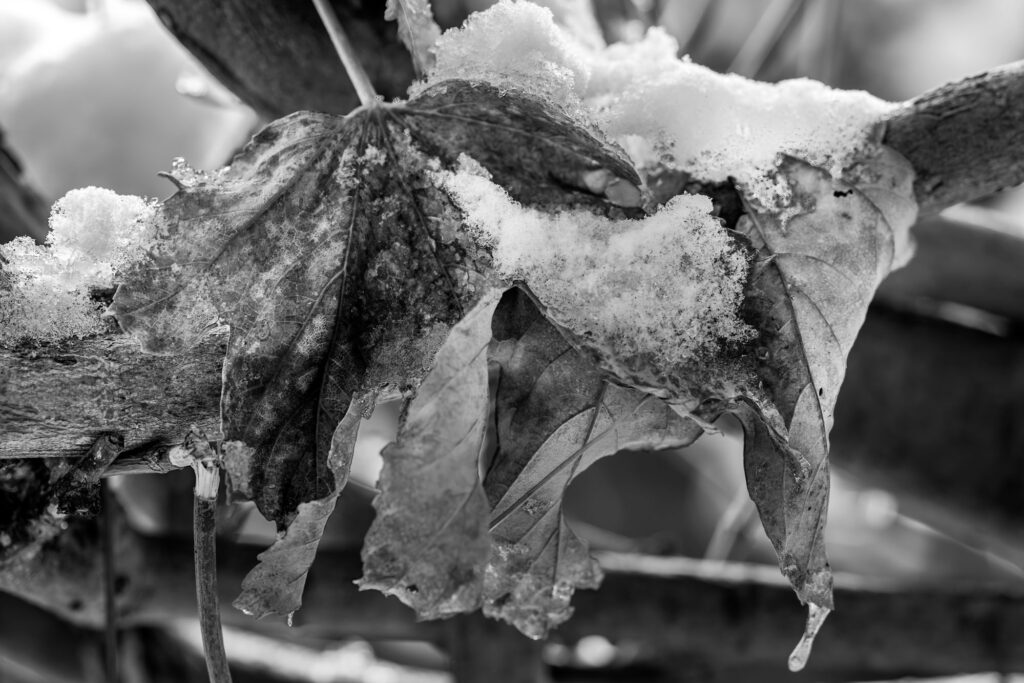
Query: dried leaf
[(275, 584), (809, 290), (556, 414), (429, 542), (416, 29), (339, 264)]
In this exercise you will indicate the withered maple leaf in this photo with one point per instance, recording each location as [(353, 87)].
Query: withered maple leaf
[(556, 414), (446, 542), (815, 265), (340, 265), (813, 277)]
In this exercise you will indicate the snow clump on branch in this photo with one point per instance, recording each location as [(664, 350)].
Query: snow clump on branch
[(44, 289), (667, 286), (664, 110)]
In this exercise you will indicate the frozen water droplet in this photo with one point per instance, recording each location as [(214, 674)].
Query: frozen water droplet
[(815, 618), (291, 619)]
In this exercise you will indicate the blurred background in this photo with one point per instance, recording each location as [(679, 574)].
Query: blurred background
[(98, 93)]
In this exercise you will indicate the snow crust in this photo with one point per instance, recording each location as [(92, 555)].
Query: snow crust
[(668, 285), (44, 289), (660, 108)]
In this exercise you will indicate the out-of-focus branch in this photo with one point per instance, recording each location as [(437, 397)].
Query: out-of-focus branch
[(730, 617), (962, 260), (933, 410), (965, 139)]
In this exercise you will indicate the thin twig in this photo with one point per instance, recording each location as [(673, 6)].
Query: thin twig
[(353, 67), (205, 552)]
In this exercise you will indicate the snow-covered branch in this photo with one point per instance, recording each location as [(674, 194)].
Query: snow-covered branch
[(965, 139)]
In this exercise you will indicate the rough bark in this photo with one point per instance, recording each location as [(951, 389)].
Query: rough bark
[(56, 399), (965, 139)]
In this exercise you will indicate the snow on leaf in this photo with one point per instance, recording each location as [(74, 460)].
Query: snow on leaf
[(429, 542), (808, 294), (556, 414), (416, 29), (339, 264), (275, 585)]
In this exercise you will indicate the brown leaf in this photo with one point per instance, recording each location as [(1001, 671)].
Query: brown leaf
[(339, 264), (429, 542), (808, 293), (275, 584), (556, 414)]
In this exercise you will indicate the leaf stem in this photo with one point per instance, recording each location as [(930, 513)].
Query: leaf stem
[(353, 67), (205, 544)]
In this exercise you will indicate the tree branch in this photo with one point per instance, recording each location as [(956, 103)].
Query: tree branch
[(965, 140), (729, 617), (57, 399), (894, 403), (962, 259)]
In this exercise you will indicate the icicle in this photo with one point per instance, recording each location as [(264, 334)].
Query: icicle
[(815, 618)]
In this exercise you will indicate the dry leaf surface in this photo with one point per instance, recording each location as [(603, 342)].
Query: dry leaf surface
[(339, 265)]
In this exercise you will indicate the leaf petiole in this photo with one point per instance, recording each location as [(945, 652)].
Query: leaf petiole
[(205, 548), (353, 67), (205, 462)]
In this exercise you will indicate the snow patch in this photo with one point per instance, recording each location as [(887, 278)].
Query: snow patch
[(44, 290), (668, 285), (661, 109)]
